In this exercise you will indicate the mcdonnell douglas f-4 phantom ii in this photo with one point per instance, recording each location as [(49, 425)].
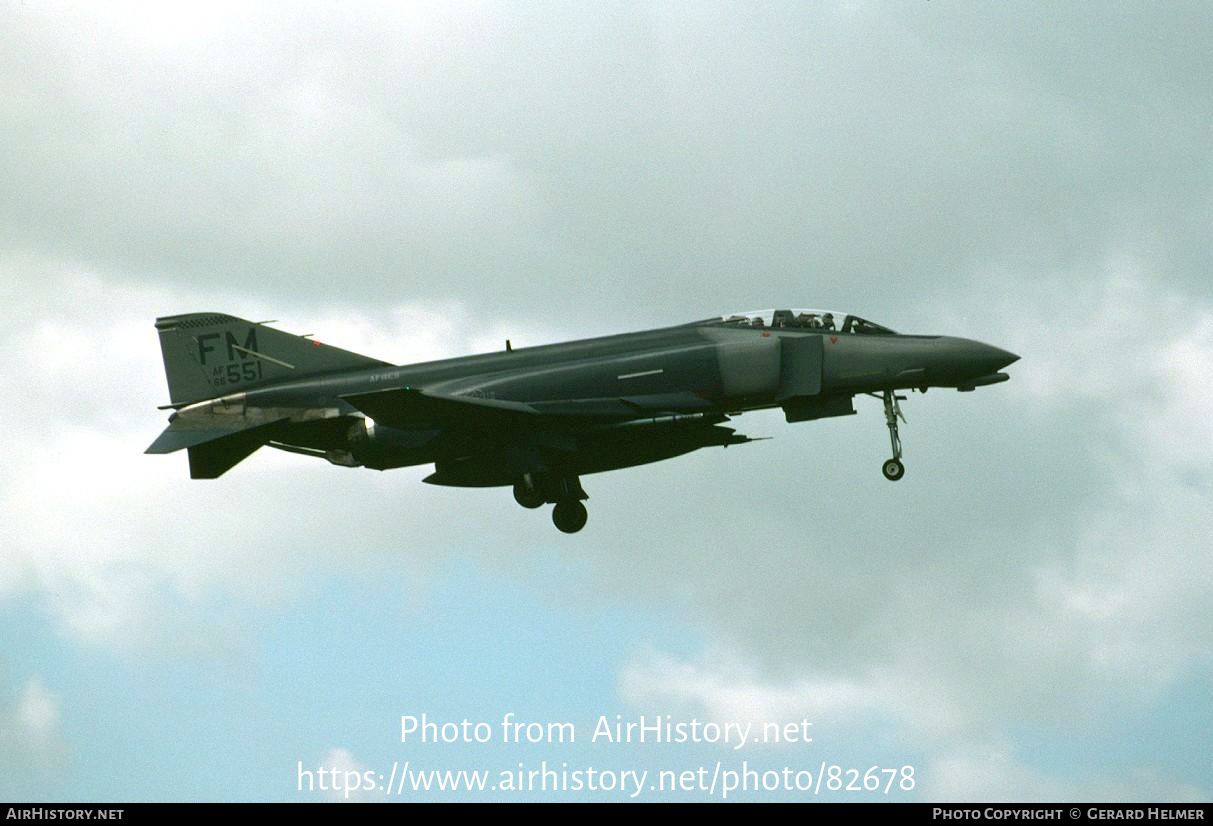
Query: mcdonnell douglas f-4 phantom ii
[(539, 418)]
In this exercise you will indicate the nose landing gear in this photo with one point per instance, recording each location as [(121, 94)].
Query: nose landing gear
[(893, 469)]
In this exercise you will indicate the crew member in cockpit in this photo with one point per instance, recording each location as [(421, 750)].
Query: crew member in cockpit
[(828, 321)]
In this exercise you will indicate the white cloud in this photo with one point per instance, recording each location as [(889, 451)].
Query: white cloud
[(1105, 608), (122, 547), (959, 766), (729, 690), (726, 688), (37, 715), (992, 773), (33, 753), (346, 781)]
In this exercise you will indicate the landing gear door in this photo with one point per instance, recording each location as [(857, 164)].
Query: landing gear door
[(799, 366)]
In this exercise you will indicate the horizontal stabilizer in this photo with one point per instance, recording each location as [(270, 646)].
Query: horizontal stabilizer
[(213, 459), (171, 440), (214, 450), (185, 434)]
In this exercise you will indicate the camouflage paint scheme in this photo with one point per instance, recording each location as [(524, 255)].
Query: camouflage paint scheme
[(538, 418)]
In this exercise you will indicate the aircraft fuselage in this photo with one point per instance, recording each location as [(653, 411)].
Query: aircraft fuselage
[(552, 412)]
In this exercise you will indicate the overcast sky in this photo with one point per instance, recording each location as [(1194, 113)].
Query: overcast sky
[(1026, 616)]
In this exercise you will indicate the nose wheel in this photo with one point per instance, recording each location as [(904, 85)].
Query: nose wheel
[(893, 469)]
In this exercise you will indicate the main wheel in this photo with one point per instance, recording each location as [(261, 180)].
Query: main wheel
[(527, 497), (569, 515), (893, 470)]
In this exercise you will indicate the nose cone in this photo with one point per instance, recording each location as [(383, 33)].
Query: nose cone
[(962, 359), (994, 357)]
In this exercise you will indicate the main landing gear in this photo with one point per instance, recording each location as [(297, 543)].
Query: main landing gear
[(565, 492), (528, 497), (569, 515), (893, 469)]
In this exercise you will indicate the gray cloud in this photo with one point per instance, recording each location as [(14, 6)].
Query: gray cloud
[(418, 184), (534, 152)]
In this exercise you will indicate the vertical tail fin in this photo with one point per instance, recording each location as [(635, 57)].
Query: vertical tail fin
[(212, 354)]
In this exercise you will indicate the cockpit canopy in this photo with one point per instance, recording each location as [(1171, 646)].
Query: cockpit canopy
[(824, 320)]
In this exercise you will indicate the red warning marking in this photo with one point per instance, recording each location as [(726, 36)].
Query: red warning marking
[(766, 335), (833, 339), (316, 343)]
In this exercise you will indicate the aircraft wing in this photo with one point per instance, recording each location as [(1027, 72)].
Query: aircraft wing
[(410, 408), (622, 408)]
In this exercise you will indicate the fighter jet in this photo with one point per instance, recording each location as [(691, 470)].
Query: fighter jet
[(540, 418)]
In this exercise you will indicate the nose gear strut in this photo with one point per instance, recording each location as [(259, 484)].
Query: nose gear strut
[(893, 469)]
